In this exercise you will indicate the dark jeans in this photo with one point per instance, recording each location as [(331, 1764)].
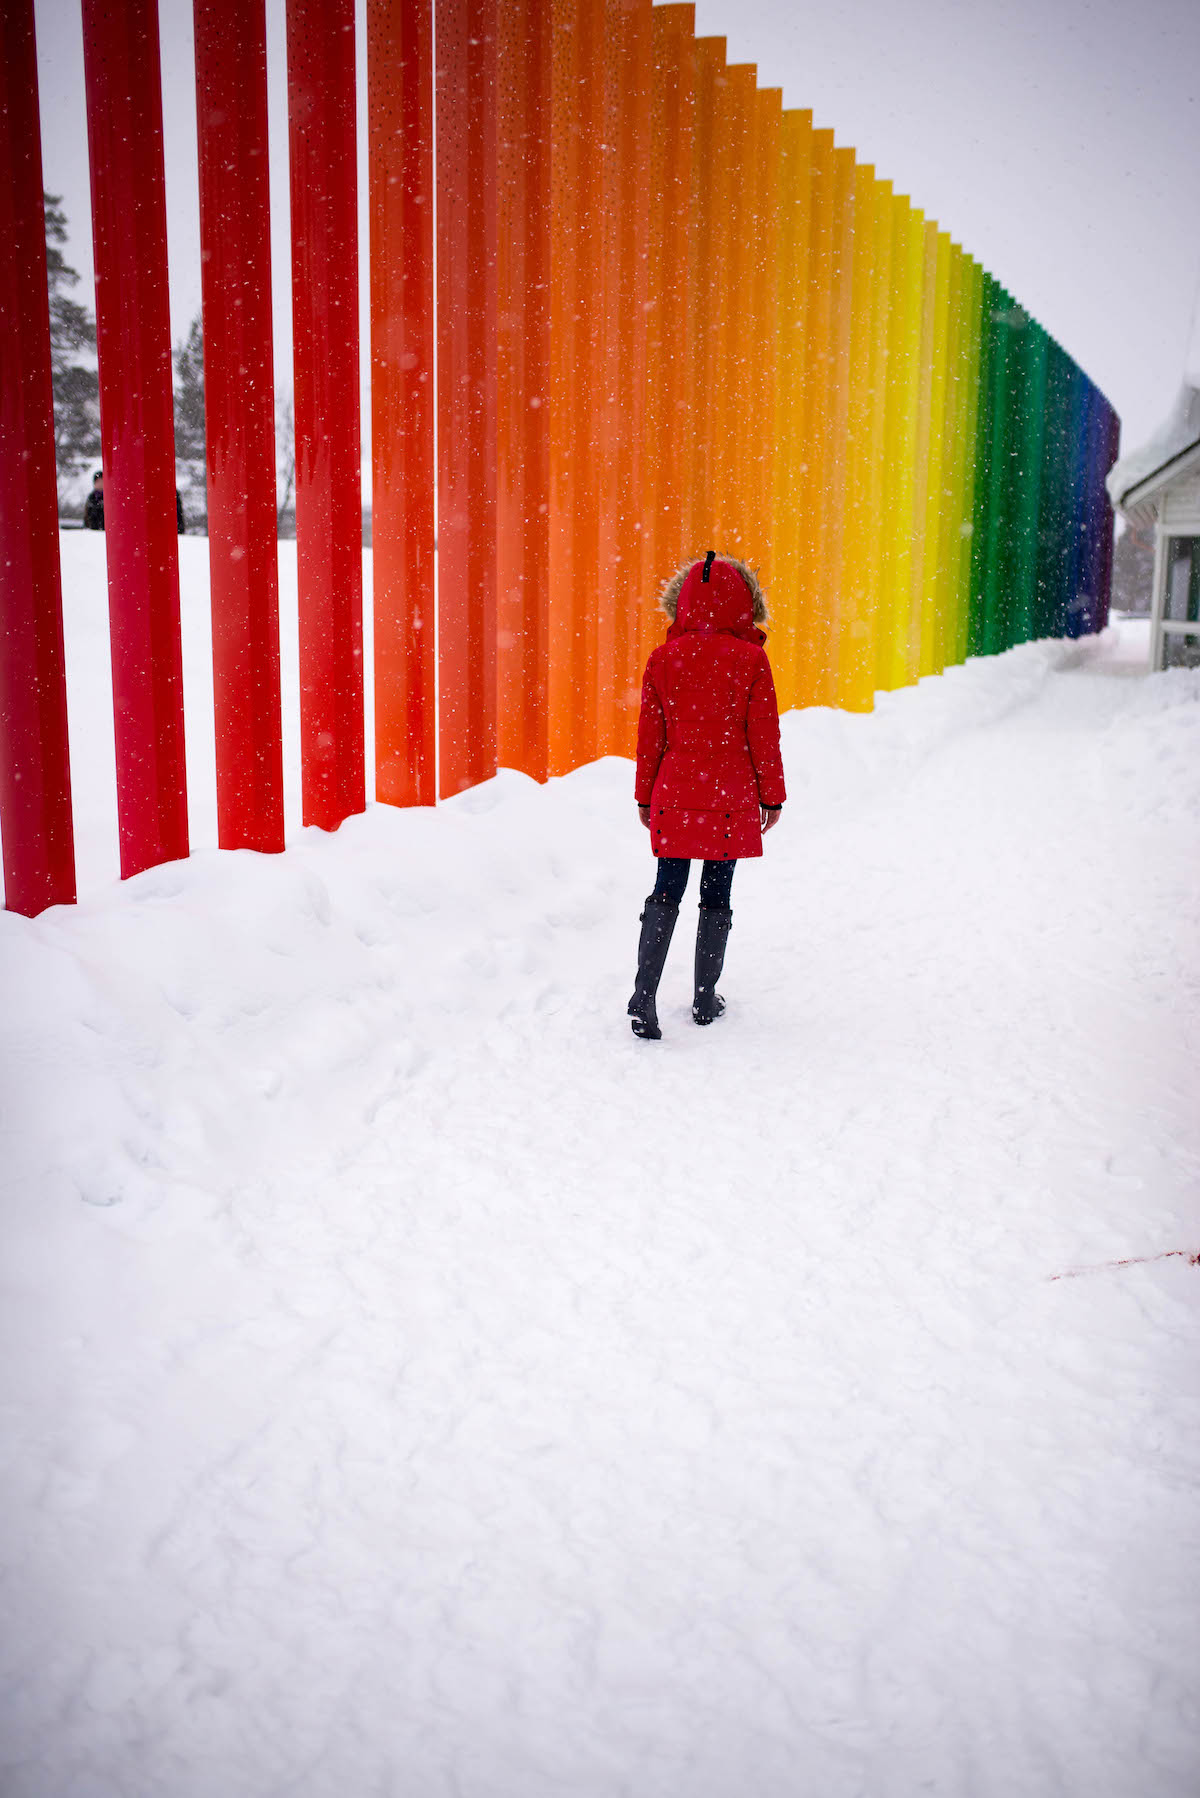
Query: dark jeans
[(715, 882)]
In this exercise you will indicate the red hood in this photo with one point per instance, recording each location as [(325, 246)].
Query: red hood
[(722, 603)]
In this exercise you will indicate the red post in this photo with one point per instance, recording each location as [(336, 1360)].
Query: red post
[(133, 334), (466, 331), (525, 110), (400, 112), (320, 54), (239, 418), (35, 774)]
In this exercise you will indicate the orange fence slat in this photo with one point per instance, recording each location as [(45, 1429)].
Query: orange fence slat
[(523, 386), (577, 126), (465, 100), (626, 213), (668, 448), (400, 130), (760, 473), (710, 261), (731, 395), (789, 485)]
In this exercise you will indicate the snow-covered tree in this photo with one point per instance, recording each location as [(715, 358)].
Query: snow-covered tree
[(285, 464), (72, 361), (189, 423)]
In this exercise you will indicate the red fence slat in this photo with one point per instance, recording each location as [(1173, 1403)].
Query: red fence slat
[(133, 335), (324, 184), (35, 774), (239, 417)]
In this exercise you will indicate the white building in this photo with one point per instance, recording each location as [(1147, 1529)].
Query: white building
[(1158, 488)]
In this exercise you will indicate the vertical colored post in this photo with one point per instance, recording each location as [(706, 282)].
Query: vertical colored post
[(950, 532), (920, 512), (35, 773), (1097, 517), (1057, 515), (1027, 475), (569, 246), (320, 55), (1044, 600), (1002, 372), (838, 392), (239, 418), (856, 624), (626, 228), (788, 557), (667, 463), (876, 499), (400, 184), (1090, 445), (708, 267), (576, 278), (465, 98), (932, 650), (1076, 610), (903, 406), (1008, 485), (523, 386), (137, 428), (812, 632), (734, 527), (972, 350), (722, 348), (763, 346), (981, 519), (949, 475)]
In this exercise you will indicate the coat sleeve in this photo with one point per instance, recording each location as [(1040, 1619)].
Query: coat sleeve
[(652, 737), (762, 734)]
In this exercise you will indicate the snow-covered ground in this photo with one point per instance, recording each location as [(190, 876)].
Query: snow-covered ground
[(414, 1385)]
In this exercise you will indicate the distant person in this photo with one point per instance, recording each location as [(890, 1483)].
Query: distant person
[(180, 520), (709, 771), (93, 506)]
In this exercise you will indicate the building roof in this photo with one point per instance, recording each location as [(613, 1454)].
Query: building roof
[(1174, 450)]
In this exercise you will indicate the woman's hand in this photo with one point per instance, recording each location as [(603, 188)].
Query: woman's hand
[(771, 818), (644, 815)]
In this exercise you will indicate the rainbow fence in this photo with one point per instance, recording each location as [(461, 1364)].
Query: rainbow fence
[(652, 311)]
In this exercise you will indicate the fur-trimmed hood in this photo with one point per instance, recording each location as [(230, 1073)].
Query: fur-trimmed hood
[(718, 594), (668, 599)]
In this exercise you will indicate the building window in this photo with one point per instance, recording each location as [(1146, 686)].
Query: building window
[(1182, 597), (1180, 649)]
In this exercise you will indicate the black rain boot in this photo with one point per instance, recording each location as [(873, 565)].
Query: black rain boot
[(712, 933), (658, 925)]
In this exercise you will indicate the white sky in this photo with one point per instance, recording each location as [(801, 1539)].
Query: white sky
[(1058, 140)]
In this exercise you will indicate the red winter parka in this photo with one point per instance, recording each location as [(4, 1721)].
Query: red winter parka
[(708, 734)]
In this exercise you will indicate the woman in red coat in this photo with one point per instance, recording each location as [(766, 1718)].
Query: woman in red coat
[(709, 773)]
